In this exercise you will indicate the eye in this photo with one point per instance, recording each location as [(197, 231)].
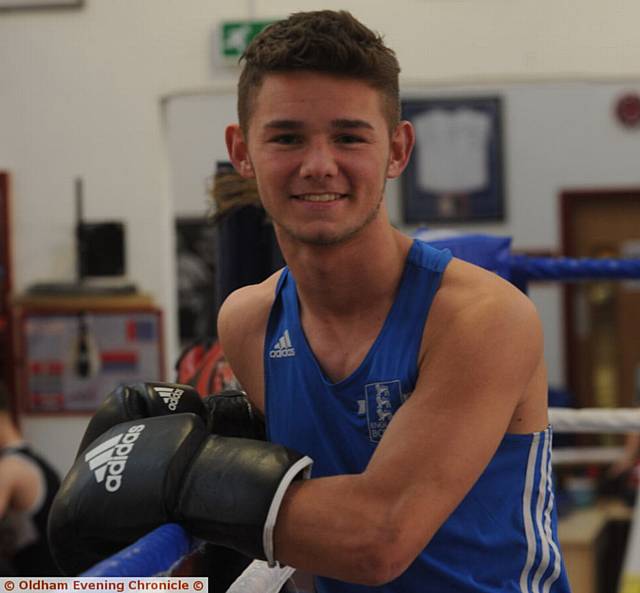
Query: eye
[(349, 139), (285, 139)]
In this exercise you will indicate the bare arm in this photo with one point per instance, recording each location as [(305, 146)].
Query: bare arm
[(368, 528), (242, 323), (20, 484)]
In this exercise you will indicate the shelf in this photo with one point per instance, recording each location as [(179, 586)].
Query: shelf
[(79, 302)]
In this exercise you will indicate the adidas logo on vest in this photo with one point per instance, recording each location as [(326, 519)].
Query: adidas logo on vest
[(283, 347), (107, 460), (170, 396)]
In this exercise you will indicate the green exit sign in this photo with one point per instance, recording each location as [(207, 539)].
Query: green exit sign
[(236, 35)]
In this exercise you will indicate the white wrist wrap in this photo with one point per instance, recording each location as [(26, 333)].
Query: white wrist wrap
[(302, 465)]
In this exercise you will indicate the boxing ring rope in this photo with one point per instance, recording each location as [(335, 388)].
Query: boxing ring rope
[(595, 420), (161, 550), (522, 268), (571, 269), (155, 553)]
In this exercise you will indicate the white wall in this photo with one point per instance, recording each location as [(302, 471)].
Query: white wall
[(81, 91), (549, 144)]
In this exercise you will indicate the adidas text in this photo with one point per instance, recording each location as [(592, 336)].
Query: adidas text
[(282, 353), (108, 460)]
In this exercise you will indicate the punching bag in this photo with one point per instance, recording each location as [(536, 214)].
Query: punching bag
[(245, 244)]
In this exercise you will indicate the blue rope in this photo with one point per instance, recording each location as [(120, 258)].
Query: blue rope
[(565, 268), (153, 554)]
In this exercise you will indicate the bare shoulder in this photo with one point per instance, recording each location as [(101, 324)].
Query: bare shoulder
[(242, 322), (475, 300), (22, 482), (245, 308), (486, 324)]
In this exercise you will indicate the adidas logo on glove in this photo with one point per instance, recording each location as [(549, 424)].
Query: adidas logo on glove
[(170, 396), (107, 460)]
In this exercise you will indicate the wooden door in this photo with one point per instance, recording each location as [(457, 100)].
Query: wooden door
[(602, 317)]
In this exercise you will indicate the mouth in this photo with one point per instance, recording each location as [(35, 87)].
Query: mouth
[(326, 197)]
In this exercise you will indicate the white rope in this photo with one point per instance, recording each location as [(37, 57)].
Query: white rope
[(586, 455), (595, 420)]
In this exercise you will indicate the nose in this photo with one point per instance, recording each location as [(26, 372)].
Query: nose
[(318, 161)]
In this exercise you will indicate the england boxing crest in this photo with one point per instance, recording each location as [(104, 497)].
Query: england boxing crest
[(382, 400)]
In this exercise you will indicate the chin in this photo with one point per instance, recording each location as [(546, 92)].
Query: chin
[(325, 238)]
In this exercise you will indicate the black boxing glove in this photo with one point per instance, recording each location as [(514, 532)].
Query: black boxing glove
[(228, 414), (141, 400), (231, 414), (142, 474)]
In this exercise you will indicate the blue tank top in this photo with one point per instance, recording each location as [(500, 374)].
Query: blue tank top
[(502, 537)]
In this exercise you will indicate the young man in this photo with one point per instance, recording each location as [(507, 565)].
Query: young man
[(414, 381), (27, 487)]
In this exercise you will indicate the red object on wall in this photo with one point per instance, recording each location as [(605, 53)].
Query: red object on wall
[(628, 110)]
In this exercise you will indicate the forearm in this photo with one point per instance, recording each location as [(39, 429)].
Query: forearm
[(338, 527)]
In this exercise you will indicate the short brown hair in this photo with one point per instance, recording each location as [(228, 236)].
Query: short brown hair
[(322, 41)]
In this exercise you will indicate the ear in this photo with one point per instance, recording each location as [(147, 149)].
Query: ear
[(402, 141), (238, 151)]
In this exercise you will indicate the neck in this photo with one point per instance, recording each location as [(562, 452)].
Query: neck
[(348, 278)]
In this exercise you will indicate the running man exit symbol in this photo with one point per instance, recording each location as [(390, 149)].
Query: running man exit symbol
[(236, 35)]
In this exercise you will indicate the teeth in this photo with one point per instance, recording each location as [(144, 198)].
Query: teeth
[(319, 197)]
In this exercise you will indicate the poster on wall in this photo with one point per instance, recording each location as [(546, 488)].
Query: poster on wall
[(73, 360), (456, 170)]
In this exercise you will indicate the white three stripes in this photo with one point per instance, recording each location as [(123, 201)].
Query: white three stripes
[(98, 457), (103, 452), (284, 341), (556, 552), (542, 526)]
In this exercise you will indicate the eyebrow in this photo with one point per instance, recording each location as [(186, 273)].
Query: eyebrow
[(351, 124), (341, 124), (283, 124)]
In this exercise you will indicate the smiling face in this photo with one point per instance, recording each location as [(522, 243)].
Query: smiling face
[(320, 149)]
